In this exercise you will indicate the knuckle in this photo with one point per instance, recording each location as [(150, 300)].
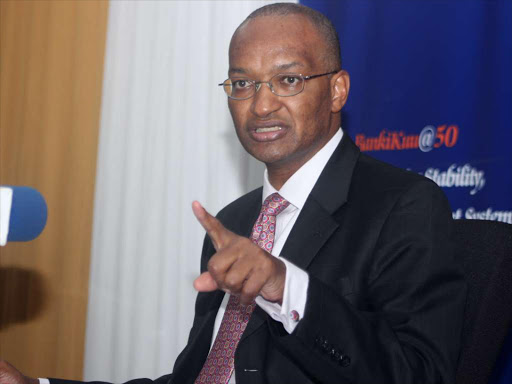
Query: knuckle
[(231, 282), (250, 292), (213, 268)]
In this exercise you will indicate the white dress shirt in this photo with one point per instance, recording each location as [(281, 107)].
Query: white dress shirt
[(296, 190)]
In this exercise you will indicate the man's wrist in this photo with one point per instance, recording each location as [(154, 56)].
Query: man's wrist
[(293, 305)]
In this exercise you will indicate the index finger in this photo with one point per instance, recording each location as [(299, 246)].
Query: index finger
[(214, 228)]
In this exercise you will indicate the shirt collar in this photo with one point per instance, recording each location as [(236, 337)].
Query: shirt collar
[(298, 187)]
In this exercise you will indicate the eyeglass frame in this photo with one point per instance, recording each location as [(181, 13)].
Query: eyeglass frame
[(257, 84)]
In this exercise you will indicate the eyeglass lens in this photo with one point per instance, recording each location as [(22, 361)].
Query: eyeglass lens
[(281, 85)]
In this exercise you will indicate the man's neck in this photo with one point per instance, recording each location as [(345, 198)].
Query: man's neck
[(279, 173), (278, 176)]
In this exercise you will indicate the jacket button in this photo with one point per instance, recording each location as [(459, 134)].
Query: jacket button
[(325, 346), (319, 341), (345, 361)]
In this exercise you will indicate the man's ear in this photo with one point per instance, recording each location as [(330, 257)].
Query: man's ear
[(340, 85)]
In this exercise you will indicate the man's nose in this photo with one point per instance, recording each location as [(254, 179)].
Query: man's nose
[(264, 102)]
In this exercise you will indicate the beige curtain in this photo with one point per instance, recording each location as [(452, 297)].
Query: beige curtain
[(50, 81)]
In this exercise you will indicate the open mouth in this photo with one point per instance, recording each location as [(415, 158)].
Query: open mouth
[(268, 132), (268, 129)]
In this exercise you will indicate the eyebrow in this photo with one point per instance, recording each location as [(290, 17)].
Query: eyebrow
[(289, 65), (237, 70), (280, 67)]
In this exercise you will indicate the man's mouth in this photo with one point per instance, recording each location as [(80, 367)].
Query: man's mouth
[(268, 129)]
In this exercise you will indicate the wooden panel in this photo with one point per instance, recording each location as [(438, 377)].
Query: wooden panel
[(51, 67)]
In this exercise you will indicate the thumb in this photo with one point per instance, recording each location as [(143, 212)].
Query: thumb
[(205, 283)]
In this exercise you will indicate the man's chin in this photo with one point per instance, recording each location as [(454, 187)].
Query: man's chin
[(271, 158)]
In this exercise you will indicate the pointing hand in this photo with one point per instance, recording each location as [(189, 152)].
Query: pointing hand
[(239, 267)]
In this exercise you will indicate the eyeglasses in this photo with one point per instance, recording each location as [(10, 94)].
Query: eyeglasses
[(282, 84)]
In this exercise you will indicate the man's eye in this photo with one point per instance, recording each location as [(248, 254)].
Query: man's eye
[(291, 80), (241, 84)]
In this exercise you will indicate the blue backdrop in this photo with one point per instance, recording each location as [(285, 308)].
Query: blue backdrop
[(431, 91)]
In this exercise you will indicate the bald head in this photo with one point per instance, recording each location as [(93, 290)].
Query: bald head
[(331, 55)]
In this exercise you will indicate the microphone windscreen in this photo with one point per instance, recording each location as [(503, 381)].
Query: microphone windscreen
[(28, 214)]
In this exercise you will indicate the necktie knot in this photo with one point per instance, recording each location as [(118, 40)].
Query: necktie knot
[(264, 229), (274, 204)]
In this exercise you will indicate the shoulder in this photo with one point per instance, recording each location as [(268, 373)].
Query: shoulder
[(384, 175), (379, 184), (380, 176)]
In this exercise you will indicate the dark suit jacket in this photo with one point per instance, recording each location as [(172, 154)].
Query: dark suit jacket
[(385, 299)]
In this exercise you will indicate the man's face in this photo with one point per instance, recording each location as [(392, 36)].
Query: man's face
[(284, 131)]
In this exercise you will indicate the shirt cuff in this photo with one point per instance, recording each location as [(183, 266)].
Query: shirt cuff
[(294, 298), (43, 381)]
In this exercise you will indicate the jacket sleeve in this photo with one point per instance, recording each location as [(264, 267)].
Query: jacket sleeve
[(408, 330)]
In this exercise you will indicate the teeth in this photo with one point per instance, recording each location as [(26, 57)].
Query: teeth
[(269, 129)]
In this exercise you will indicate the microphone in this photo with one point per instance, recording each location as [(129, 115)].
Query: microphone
[(23, 213)]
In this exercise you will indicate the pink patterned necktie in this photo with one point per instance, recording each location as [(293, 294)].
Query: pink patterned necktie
[(221, 360)]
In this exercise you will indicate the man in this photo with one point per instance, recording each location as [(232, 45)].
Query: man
[(366, 289)]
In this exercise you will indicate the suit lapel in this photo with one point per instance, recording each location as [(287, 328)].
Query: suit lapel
[(311, 230), (315, 223)]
